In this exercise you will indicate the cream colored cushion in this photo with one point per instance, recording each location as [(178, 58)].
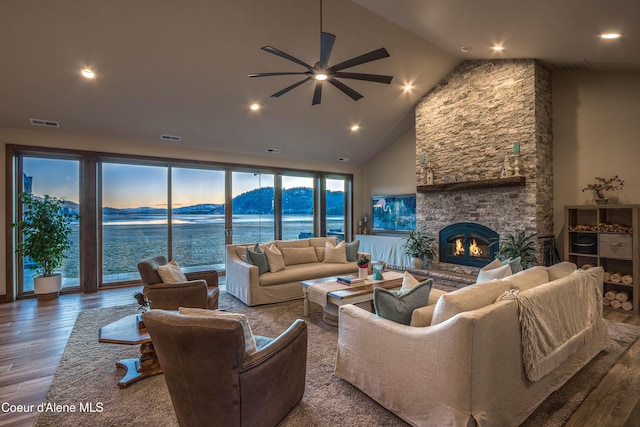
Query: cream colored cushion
[(335, 254), (249, 340), (487, 274), (467, 299), (319, 253), (529, 278), (171, 273), (274, 258), (281, 244), (319, 242), (294, 256), (408, 281), (561, 269)]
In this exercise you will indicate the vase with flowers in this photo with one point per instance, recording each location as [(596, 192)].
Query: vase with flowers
[(603, 185), (363, 266)]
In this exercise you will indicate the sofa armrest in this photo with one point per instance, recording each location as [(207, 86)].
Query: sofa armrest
[(211, 277), (241, 276), (422, 316), (297, 331), (170, 296)]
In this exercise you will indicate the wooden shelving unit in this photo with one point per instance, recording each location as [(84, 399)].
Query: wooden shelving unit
[(512, 181), (607, 235)]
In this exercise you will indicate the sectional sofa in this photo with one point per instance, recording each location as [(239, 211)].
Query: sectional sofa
[(304, 259), (478, 359)]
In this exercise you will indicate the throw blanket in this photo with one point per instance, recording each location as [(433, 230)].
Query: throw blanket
[(556, 319)]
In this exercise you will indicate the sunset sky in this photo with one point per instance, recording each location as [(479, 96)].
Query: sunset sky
[(139, 185)]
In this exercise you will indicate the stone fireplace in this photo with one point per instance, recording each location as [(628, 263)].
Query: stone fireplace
[(481, 117)]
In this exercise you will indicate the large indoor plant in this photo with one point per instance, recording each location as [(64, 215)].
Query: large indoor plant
[(519, 244), (419, 246), (45, 228)]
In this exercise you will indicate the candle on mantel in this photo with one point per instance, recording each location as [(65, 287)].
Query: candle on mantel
[(516, 148)]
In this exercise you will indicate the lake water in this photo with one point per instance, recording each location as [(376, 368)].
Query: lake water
[(198, 240)]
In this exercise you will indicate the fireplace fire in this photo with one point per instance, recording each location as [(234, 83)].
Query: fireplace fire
[(467, 243)]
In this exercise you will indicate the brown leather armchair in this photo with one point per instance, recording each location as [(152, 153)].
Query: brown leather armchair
[(211, 379), (200, 291)]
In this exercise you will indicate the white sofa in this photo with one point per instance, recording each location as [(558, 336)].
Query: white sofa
[(466, 367), (244, 282)]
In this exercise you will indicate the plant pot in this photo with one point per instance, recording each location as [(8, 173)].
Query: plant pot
[(418, 262), (602, 201), (47, 287), (363, 272)]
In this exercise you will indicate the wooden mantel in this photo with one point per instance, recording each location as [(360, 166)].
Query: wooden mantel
[(511, 181)]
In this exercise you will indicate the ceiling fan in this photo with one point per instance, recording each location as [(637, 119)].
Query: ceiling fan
[(321, 71)]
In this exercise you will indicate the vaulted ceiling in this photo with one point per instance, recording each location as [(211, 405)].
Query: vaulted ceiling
[(180, 67)]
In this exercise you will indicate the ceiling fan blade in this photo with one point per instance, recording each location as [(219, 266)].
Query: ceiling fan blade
[(276, 74), (326, 46), (377, 78), (288, 88), (374, 55), (317, 94), (284, 55), (346, 89)]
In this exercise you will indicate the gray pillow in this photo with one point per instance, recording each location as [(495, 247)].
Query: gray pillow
[(258, 258), (352, 250), (399, 305)]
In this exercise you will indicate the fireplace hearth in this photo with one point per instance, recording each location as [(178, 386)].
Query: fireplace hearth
[(467, 243)]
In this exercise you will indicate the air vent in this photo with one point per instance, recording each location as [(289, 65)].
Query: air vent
[(48, 123), (343, 159), (273, 150), (172, 138)]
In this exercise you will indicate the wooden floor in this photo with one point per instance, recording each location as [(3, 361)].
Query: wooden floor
[(33, 336)]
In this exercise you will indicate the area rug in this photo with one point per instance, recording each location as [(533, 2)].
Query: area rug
[(85, 384)]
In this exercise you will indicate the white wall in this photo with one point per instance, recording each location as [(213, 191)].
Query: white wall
[(596, 132), (392, 171), (57, 139)]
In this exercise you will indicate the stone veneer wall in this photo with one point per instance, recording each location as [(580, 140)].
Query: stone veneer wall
[(465, 126)]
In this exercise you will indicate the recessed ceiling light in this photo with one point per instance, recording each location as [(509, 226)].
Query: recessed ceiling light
[(355, 128), (610, 36), (497, 48), (321, 76), (88, 73), (254, 106), (407, 87)]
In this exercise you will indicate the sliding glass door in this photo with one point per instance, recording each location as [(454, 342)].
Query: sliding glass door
[(297, 207), (252, 207), (335, 207)]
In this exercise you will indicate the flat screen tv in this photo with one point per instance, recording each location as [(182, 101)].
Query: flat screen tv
[(393, 213)]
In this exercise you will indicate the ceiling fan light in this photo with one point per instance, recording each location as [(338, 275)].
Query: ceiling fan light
[(321, 76)]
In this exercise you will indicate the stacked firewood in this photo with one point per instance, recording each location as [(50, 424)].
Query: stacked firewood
[(603, 228), (618, 300)]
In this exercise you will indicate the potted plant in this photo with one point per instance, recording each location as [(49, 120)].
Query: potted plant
[(419, 246), (363, 266), (519, 244), (602, 185), (45, 228)]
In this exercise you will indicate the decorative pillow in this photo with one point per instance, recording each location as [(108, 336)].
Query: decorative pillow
[(408, 281), (515, 263), (171, 273), (352, 250), (274, 258), (249, 340), (467, 299), (561, 269), (258, 258), (529, 278), (335, 254), (319, 253), (490, 272), (294, 256), (398, 305)]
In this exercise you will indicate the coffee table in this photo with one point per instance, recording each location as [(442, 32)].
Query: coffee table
[(126, 331), (338, 294)]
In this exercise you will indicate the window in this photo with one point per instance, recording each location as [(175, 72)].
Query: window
[(335, 207), (297, 207), (252, 207), (134, 218), (57, 178), (197, 217)]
